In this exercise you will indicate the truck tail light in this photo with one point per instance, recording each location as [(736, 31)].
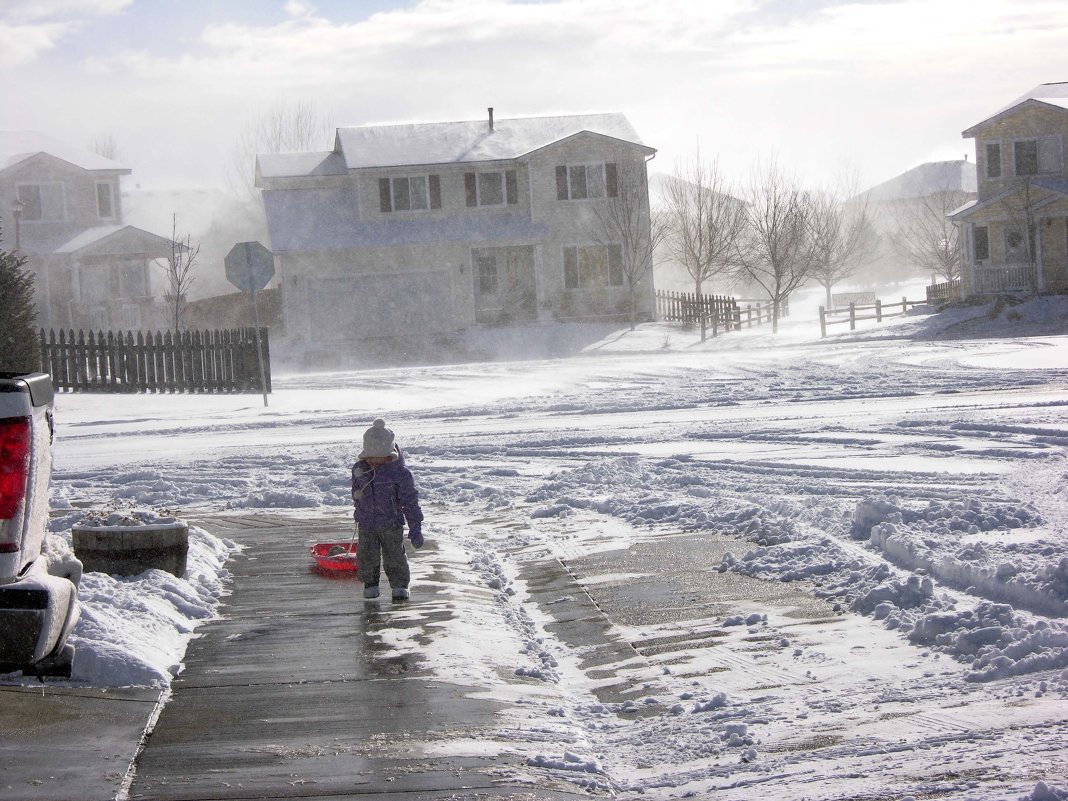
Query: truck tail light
[(14, 472)]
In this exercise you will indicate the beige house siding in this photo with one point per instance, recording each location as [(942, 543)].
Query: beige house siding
[(1026, 124), (77, 189), (1008, 200)]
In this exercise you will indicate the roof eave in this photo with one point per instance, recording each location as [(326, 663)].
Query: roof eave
[(970, 133)]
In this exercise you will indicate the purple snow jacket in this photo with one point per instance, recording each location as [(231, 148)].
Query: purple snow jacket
[(385, 496)]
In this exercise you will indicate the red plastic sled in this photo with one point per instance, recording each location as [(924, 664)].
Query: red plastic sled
[(335, 555)]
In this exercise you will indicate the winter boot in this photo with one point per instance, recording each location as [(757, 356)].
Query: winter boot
[(401, 594), (370, 591)]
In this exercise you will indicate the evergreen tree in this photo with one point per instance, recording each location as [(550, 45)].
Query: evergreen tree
[(20, 350)]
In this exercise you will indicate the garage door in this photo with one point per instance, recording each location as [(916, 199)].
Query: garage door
[(382, 305)]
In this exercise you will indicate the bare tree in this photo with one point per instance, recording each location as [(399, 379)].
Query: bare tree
[(926, 237), (704, 221), (179, 271), (777, 254), (624, 221), (284, 128), (1022, 232), (104, 144), (843, 235)]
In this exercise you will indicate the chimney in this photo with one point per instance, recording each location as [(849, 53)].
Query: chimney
[(490, 110)]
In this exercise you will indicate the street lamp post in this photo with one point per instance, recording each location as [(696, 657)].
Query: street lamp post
[(16, 212)]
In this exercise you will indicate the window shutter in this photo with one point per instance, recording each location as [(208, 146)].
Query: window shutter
[(1025, 154), (384, 202), (561, 183), (615, 265), (511, 187), (571, 279), (469, 189), (435, 191), (576, 179), (982, 243), (1049, 154), (993, 160), (611, 179)]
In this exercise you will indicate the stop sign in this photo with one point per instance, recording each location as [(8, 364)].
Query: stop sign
[(249, 266)]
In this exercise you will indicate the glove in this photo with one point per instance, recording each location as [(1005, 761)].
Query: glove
[(416, 536)]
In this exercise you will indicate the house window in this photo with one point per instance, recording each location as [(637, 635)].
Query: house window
[(582, 181), (1040, 156), (487, 275), (993, 160), (1026, 155), (593, 266), (133, 281), (494, 188), (981, 245), (41, 202), (410, 193), (105, 207)]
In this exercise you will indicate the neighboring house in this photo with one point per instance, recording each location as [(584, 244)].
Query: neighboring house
[(428, 229), (1016, 232), (62, 209), (909, 212)]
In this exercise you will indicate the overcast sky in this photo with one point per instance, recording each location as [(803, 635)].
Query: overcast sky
[(874, 87)]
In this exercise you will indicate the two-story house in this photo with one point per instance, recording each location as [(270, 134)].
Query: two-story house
[(62, 210), (1016, 231), (435, 228)]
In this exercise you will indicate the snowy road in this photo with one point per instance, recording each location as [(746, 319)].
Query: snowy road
[(910, 493)]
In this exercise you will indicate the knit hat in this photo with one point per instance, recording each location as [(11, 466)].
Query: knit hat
[(377, 441)]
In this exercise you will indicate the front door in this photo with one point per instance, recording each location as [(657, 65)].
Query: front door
[(504, 285)]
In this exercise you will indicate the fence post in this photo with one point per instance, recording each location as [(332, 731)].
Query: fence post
[(823, 321), (904, 305), (878, 310), (852, 316)]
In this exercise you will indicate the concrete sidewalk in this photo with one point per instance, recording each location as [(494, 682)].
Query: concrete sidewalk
[(291, 695)]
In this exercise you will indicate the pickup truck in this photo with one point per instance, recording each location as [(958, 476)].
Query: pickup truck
[(37, 610)]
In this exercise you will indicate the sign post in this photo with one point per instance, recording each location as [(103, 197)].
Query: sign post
[(249, 267)]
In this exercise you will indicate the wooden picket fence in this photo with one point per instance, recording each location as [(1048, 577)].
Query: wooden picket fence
[(688, 307), (720, 312), (189, 361)]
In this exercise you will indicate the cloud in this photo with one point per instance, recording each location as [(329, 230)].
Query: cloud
[(46, 9), (21, 44), (28, 28)]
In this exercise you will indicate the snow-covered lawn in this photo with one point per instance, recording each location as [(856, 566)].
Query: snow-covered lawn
[(914, 480)]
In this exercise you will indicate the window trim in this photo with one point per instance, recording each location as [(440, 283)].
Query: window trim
[(1057, 141), (988, 162), (609, 172), (43, 219), (509, 186), (482, 275), (387, 195), (1016, 157), (984, 254), (614, 276), (111, 200)]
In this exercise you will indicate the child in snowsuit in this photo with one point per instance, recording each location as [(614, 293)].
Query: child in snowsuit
[(384, 494)]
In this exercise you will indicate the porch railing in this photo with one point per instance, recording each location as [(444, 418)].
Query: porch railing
[(1011, 278)]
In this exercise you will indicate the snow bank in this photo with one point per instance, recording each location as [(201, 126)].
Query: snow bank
[(133, 631)]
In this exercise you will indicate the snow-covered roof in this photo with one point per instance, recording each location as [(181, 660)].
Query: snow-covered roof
[(292, 165), (926, 180), (417, 144), (124, 237), (17, 146), (1053, 184), (320, 219), (1050, 94)]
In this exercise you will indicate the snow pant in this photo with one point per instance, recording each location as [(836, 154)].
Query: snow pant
[(382, 546)]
